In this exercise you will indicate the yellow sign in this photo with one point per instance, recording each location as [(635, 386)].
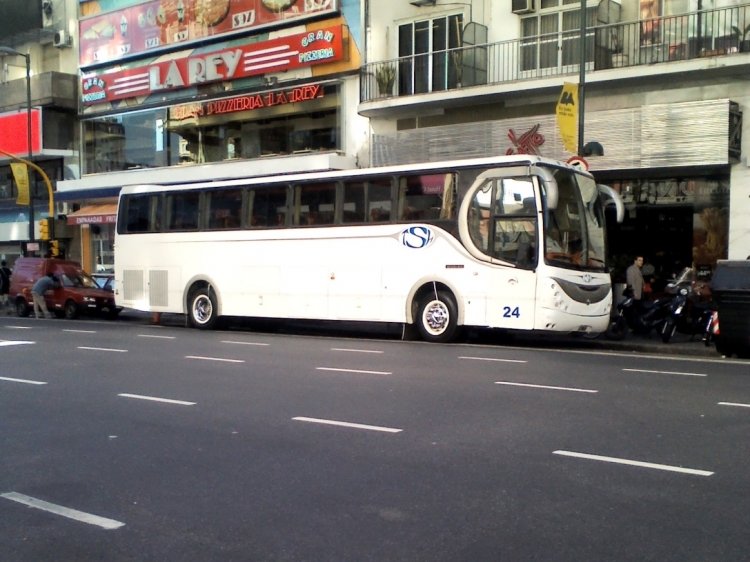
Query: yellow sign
[(21, 175), (567, 116)]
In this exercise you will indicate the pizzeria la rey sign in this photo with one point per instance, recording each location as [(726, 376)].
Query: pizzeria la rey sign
[(276, 55)]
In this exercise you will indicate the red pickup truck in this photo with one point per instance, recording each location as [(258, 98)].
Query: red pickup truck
[(79, 293)]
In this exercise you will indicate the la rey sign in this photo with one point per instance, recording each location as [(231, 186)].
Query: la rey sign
[(276, 55)]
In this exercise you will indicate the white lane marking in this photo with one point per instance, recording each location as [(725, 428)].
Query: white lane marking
[(245, 343), (81, 516), (355, 350), (79, 331), (103, 349), (547, 387), (736, 404), (18, 327), (666, 372), (156, 337), (348, 424), (155, 399), (21, 380), (493, 359), (214, 359), (8, 343), (640, 464), (358, 371)]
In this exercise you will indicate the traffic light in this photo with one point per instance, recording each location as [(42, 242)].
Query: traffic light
[(54, 247), (44, 232)]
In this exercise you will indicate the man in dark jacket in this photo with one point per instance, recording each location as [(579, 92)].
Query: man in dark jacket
[(43, 285)]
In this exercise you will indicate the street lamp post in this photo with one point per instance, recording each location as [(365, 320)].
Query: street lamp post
[(27, 56)]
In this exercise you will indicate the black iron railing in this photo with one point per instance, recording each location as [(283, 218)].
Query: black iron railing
[(706, 33)]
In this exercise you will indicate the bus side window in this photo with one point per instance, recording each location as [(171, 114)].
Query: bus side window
[(224, 208), (268, 206), (424, 197), (182, 210), (314, 203), (137, 209)]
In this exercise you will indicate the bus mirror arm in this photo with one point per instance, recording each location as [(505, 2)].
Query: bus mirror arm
[(610, 193)]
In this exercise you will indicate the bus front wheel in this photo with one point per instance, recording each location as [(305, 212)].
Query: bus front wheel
[(437, 317), (202, 309)]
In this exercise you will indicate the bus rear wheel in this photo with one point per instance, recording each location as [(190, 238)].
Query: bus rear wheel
[(202, 310), (437, 317)]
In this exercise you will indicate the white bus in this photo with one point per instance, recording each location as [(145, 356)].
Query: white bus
[(513, 242)]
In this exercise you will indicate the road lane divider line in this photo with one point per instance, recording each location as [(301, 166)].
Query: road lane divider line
[(103, 522), (156, 337), (79, 331), (493, 359), (355, 350), (219, 359), (8, 343), (25, 381), (102, 349), (18, 327), (735, 404), (666, 372), (640, 464), (246, 343), (357, 371), (156, 399), (348, 424), (543, 386)]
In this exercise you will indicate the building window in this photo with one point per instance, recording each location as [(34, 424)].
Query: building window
[(167, 137), (550, 40), (427, 63)]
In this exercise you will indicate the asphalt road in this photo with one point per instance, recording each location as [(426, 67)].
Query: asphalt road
[(125, 441)]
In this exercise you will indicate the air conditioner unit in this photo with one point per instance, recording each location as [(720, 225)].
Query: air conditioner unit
[(522, 6), (62, 39)]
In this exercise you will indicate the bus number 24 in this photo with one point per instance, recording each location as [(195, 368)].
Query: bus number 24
[(511, 312)]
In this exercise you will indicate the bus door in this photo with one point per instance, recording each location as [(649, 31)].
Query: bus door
[(499, 225)]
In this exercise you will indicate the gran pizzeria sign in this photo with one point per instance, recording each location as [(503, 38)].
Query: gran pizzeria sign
[(276, 55), (246, 103)]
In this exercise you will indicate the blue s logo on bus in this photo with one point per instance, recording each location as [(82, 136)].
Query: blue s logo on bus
[(417, 237)]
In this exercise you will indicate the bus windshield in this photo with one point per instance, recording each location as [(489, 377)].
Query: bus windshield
[(574, 230)]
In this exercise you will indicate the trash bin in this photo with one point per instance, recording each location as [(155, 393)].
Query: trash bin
[(730, 286)]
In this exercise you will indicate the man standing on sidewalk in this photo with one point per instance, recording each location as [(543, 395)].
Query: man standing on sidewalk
[(43, 285), (634, 279)]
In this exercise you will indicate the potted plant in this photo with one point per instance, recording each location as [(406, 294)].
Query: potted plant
[(385, 76), (742, 37)]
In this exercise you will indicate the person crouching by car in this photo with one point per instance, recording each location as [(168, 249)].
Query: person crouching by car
[(41, 286)]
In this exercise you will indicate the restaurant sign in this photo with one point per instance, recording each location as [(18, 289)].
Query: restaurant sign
[(276, 55)]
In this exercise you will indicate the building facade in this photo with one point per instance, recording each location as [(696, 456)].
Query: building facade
[(664, 91), (187, 90), (38, 33)]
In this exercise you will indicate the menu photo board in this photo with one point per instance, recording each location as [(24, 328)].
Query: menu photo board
[(159, 24)]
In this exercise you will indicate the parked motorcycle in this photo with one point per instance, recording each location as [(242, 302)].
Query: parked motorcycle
[(686, 312), (641, 318)]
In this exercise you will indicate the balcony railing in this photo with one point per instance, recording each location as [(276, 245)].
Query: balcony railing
[(705, 33)]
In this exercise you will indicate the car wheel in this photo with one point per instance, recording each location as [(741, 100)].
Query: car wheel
[(71, 310), (437, 317), (202, 309), (22, 308)]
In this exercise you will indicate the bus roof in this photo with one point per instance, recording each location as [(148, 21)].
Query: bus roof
[(500, 161)]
